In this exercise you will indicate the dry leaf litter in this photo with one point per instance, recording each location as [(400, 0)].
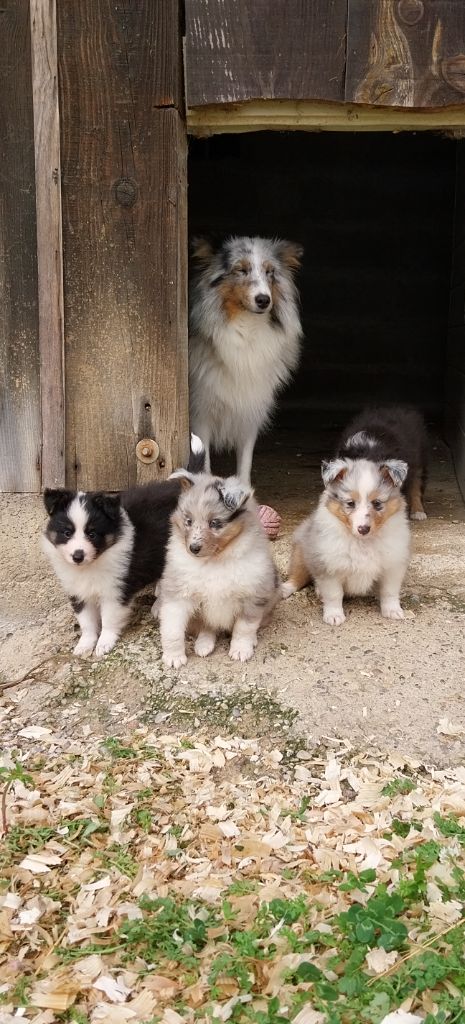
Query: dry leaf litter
[(174, 880)]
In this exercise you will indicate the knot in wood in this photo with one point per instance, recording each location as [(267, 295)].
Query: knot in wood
[(125, 192), (147, 450), (411, 11)]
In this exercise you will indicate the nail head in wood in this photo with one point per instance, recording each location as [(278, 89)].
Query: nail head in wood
[(147, 450)]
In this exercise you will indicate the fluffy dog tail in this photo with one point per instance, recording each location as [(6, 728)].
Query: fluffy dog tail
[(196, 462)]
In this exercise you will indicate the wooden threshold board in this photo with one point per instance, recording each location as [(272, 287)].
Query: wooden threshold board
[(303, 115)]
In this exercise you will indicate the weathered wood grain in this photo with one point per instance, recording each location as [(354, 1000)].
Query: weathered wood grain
[(49, 238), (406, 53), (19, 349), (309, 115), (124, 182), (288, 49)]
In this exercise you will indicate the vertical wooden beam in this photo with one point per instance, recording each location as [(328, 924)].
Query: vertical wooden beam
[(49, 237), (123, 146), (19, 354)]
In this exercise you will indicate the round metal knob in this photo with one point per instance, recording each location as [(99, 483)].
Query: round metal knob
[(147, 450)]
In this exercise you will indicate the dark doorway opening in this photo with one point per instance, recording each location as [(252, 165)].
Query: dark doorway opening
[(375, 214)]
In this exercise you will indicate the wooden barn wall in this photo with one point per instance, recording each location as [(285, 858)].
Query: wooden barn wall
[(404, 53), (124, 213), (238, 51), (374, 214), (455, 379), (111, 367), (20, 425)]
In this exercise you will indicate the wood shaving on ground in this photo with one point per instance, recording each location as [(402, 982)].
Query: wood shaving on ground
[(160, 878)]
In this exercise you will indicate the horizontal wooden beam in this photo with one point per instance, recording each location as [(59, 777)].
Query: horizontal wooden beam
[(304, 115)]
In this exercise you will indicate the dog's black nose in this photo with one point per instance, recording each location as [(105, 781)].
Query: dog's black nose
[(195, 548), (363, 530), (262, 301), (78, 556)]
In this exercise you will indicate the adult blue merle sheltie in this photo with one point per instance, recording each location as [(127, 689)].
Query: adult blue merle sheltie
[(244, 340)]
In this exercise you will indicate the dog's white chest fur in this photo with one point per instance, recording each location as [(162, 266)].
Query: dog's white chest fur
[(358, 564), (100, 580), (217, 589), (234, 374)]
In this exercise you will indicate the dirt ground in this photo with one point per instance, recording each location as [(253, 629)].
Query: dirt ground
[(388, 682)]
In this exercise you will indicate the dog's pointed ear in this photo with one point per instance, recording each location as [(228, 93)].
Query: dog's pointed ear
[(290, 253), (335, 469), (233, 494), (394, 470), (109, 504), (186, 479), (202, 251), (56, 498)]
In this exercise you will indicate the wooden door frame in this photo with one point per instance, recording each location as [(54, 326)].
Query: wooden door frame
[(306, 115), (49, 239)]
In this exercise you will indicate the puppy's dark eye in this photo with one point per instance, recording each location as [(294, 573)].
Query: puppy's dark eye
[(215, 524), (188, 521), (270, 272), (377, 505), (68, 533), (91, 534), (350, 504)]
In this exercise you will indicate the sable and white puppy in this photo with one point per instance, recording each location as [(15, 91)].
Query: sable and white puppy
[(244, 340), (358, 536), (219, 573), (105, 548)]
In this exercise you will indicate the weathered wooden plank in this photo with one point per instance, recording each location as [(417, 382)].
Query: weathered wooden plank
[(257, 50), (406, 53), (49, 238), (124, 182), (308, 115), (19, 350)]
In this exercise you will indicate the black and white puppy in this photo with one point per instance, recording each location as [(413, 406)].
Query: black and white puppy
[(105, 548)]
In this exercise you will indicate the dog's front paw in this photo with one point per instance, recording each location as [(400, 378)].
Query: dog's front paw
[(392, 610), (333, 616), (204, 645), (174, 660), (288, 588), (418, 516), (241, 650), (155, 609), (85, 646), (105, 644)]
